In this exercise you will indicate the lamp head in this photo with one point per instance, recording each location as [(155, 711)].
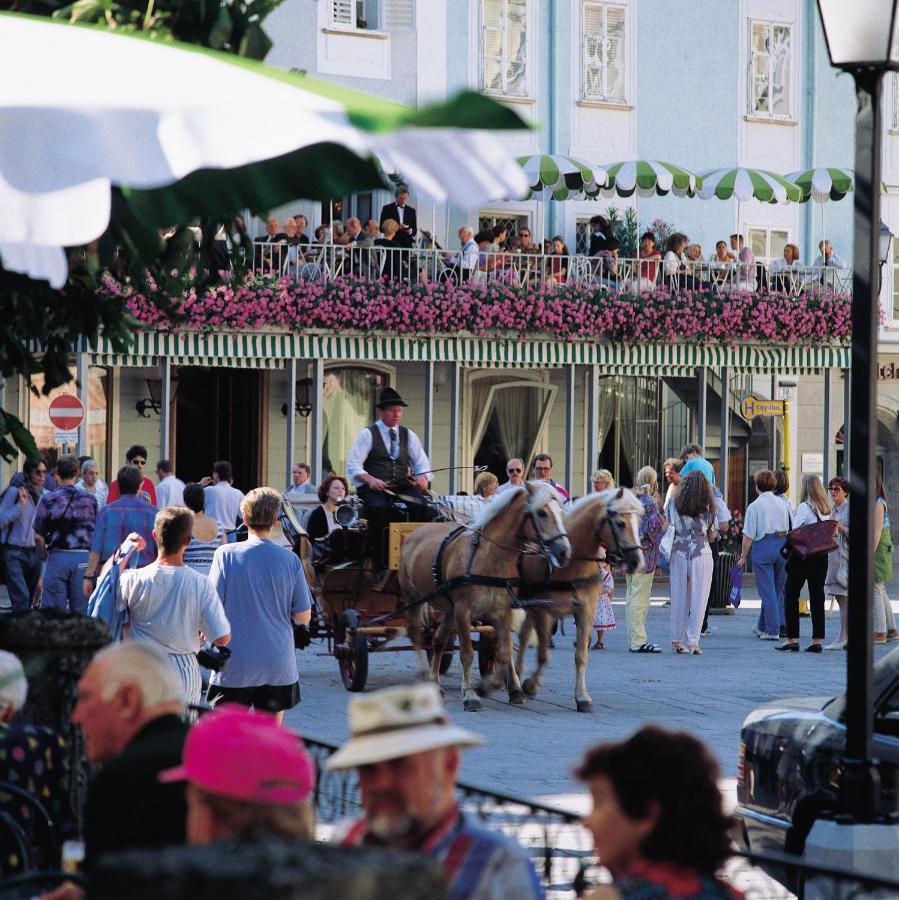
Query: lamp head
[(861, 34)]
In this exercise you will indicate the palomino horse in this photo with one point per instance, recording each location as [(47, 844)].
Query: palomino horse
[(470, 573), (605, 523)]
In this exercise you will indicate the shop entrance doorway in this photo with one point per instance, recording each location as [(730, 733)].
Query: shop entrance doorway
[(218, 417)]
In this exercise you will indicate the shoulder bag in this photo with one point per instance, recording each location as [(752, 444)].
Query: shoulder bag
[(813, 539)]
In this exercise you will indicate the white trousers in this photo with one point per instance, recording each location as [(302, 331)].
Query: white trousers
[(691, 581)]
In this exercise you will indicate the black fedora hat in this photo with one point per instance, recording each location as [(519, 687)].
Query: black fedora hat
[(389, 397)]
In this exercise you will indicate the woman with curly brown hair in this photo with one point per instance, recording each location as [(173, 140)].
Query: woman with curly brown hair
[(694, 515), (657, 821)]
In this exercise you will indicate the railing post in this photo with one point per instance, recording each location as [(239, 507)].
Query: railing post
[(318, 434)]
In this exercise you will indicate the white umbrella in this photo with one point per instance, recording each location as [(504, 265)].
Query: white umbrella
[(82, 109)]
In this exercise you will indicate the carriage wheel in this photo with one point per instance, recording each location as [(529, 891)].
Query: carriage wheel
[(352, 659), (486, 655)]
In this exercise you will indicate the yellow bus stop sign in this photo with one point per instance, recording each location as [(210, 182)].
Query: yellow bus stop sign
[(751, 407)]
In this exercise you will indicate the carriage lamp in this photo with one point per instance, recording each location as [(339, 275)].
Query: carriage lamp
[(862, 40)]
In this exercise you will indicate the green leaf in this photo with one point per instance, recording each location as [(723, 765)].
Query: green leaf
[(255, 44), (221, 31)]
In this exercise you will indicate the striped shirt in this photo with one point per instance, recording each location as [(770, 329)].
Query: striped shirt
[(479, 864)]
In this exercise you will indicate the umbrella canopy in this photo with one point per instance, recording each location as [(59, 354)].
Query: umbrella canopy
[(554, 177), (648, 178), (193, 132), (748, 184), (824, 183)]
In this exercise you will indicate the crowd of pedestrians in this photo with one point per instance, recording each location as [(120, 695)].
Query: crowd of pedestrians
[(240, 775)]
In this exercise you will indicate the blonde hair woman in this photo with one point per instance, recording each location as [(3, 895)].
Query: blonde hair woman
[(814, 506), (602, 480), (485, 485), (639, 587)]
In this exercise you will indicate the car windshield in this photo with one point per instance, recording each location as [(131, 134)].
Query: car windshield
[(886, 678)]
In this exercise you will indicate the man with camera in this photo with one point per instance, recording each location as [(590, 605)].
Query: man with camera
[(387, 456), (170, 605)]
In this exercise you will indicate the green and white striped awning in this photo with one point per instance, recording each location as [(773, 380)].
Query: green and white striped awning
[(270, 350)]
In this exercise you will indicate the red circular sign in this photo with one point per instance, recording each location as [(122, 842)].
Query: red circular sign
[(66, 412)]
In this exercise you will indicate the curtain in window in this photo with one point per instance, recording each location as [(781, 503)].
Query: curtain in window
[(504, 46), (603, 51), (607, 392), (346, 410), (517, 410), (627, 421), (780, 71)]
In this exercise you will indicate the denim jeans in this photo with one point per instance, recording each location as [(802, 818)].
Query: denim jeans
[(23, 571), (770, 577), (63, 580)]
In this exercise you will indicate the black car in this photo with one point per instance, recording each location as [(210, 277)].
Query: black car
[(788, 773)]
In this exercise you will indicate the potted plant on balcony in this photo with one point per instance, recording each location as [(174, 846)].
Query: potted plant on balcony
[(724, 559)]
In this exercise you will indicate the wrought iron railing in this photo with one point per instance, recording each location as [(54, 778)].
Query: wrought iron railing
[(326, 262)]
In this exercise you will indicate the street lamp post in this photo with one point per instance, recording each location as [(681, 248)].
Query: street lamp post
[(861, 39)]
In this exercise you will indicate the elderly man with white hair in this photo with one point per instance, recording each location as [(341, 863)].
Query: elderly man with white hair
[(31, 756), (130, 703), (464, 264)]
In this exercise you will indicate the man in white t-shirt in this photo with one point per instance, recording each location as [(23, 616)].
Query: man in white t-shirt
[(222, 498), (170, 489), (170, 605)]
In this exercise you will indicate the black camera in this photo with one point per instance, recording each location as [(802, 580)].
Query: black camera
[(215, 658), (302, 637)]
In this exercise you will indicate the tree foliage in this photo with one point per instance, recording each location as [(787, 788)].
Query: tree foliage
[(42, 325)]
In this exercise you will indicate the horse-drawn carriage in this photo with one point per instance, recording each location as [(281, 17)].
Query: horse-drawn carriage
[(448, 581), (353, 613)]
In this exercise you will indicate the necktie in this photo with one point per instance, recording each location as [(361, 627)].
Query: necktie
[(394, 444)]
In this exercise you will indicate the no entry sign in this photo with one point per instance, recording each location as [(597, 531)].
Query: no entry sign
[(66, 416)]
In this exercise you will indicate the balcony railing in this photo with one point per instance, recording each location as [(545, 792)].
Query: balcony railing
[(326, 262)]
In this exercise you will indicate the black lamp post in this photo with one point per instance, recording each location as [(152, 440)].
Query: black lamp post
[(861, 39)]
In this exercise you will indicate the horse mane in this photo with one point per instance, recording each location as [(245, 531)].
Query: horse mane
[(628, 502), (497, 506), (542, 494)]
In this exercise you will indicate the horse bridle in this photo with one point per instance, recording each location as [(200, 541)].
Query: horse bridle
[(621, 550), (545, 543)]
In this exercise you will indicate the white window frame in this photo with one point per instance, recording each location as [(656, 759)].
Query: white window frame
[(625, 47), (894, 103), (789, 115), (530, 57), (769, 255), (342, 23)]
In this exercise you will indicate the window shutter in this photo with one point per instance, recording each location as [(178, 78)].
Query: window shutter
[(397, 15), (516, 48), (492, 46), (592, 50), (343, 12), (615, 54)]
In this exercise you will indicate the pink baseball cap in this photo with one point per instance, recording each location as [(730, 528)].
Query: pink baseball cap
[(245, 756)]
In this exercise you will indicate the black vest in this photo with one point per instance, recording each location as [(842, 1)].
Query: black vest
[(378, 462)]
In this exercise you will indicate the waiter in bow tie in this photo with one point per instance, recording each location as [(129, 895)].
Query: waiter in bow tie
[(401, 212)]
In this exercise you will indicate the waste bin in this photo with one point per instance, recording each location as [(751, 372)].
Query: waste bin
[(719, 596)]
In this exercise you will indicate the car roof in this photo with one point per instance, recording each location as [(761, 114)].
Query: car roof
[(886, 674)]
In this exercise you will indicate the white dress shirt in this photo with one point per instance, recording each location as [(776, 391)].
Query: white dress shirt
[(467, 257), (766, 515), (223, 503), (418, 460), (170, 492)]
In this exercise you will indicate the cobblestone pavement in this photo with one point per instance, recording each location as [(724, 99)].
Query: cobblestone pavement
[(530, 751)]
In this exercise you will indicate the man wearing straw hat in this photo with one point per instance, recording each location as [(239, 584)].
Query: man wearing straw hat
[(407, 755)]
